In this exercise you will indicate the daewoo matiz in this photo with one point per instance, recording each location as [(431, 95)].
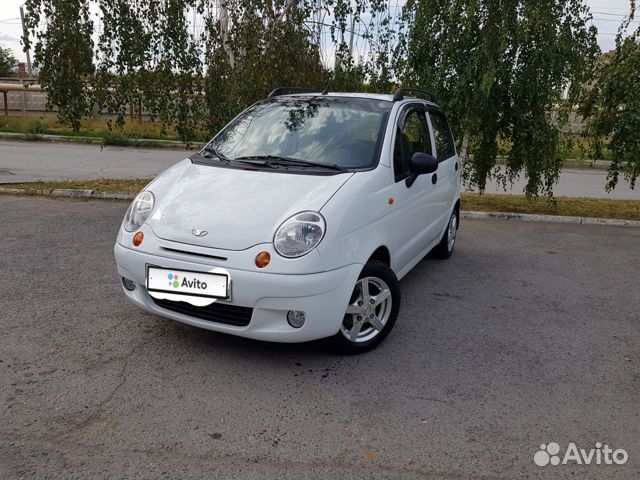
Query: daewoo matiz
[(298, 219)]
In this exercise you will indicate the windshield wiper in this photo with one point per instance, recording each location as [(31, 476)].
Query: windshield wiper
[(213, 151), (287, 161)]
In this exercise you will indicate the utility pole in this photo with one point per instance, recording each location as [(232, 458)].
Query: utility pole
[(24, 33)]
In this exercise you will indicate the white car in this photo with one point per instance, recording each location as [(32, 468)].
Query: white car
[(297, 220)]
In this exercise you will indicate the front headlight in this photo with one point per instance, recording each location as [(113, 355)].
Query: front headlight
[(300, 234), (139, 211)]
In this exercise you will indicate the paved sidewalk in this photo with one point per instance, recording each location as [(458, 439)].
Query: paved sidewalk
[(31, 161)]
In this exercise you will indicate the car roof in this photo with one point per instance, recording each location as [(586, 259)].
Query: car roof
[(372, 96)]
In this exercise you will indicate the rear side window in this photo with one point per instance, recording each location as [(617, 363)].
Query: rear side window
[(442, 134), (412, 136)]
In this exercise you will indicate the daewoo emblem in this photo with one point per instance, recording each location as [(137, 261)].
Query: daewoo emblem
[(199, 233)]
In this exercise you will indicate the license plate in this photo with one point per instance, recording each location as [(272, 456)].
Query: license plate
[(185, 282)]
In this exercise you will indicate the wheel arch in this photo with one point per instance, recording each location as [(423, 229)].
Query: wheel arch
[(382, 254)]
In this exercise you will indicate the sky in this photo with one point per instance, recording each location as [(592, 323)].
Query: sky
[(607, 16)]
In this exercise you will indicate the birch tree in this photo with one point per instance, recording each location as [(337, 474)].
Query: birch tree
[(612, 106), (499, 68)]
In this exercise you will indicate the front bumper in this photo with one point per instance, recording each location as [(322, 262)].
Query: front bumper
[(322, 296)]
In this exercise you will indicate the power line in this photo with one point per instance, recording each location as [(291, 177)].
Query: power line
[(609, 14), (612, 20), (610, 9)]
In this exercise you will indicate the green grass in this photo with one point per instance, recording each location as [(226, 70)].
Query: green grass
[(572, 149), (575, 207), (102, 185), (33, 127), (89, 128)]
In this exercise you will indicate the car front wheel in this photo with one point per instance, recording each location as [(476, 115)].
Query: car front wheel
[(372, 310)]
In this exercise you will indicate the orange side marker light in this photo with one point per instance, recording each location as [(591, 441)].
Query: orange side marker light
[(137, 239), (263, 259)]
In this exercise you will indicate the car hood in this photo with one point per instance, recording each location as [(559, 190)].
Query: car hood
[(237, 208)]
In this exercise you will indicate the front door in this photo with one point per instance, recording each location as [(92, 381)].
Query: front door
[(415, 218)]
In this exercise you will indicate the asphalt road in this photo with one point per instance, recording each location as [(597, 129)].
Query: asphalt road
[(31, 161), (529, 334), (575, 182)]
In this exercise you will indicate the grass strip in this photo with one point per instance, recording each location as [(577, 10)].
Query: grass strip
[(101, 185), (565, 206)]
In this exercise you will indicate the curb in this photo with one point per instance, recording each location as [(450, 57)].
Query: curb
[(69, 193), (522, 217), (602, 165), (99, 141), (533, 217), (573, 165)]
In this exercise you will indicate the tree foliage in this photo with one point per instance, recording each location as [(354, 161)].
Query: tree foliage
[(612, 107), (145, 55), (507, 72), (500, 68), (7, 62), (64, 55)]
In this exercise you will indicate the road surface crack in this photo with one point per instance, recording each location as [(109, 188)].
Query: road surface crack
[(123, 379)]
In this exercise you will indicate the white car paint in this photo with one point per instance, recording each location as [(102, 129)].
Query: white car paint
[(363, 210), (210, 198)]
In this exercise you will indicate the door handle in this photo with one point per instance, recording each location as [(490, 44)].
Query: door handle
[(434, 178)]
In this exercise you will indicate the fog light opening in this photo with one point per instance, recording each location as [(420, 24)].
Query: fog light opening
[(128, 284), (296, 318)]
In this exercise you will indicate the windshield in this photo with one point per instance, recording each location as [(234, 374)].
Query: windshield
[(338, 131)]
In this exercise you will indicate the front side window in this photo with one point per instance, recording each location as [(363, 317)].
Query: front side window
[(412, 136), (442, 135), (330, 130)]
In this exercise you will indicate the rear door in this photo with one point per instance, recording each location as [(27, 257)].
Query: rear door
[(413, 223), (446, 185)]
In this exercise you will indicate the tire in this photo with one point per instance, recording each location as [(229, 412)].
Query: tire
[(356, 334), (448, 241)]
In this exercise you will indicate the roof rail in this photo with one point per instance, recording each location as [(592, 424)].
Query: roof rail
[(399, 94), (287, 90)]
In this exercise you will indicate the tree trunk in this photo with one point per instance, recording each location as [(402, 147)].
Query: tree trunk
[(464, 150), (351, 37), (280, 18), (224, 32)]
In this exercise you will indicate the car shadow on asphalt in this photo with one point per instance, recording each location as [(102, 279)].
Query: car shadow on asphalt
[(222, 343)]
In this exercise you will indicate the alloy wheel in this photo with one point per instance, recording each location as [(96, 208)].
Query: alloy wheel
[(368, 311), (452, 229)]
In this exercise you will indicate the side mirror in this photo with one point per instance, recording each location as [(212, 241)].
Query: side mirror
[(422, 163)]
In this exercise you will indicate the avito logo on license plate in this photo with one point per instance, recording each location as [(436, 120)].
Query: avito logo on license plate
[(184, 282)]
